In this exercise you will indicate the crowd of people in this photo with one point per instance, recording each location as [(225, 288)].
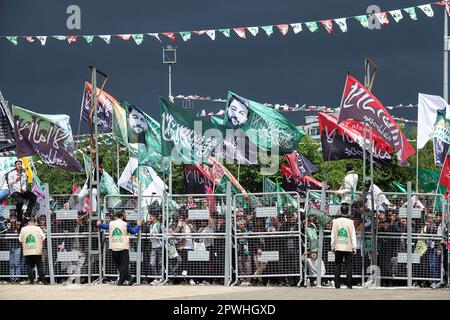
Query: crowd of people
[(266, 249)]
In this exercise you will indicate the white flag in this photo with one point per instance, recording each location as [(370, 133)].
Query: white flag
[(42, 39), (253, 30), (342, 23), (396, 14), (297, 27), (380, 199), (211, 34), (155, 35), (428, 106), (106, 37), (426, 8)]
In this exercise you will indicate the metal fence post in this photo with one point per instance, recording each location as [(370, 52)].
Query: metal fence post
[(49, 234), (140, 217), (228, 242), (319, 258), (409, 236)]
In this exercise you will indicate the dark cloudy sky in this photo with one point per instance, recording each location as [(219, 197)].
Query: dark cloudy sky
[(304, 68)]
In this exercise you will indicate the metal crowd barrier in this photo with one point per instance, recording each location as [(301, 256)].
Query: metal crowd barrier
[(196, 232), (424, 257), (148, 265), (267, 238)]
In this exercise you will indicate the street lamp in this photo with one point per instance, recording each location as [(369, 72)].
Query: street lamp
[(170, 57)]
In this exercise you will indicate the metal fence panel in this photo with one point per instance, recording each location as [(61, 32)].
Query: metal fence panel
[(149, 241), (195, 247), (391, 237), (70, 240), (267, 238)]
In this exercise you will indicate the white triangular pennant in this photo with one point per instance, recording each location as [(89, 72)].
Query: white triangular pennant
[(211, 34), (342, 23), (42, 39), (426, 8), (253, 30), (106, 37), (155, 35), (297, 27), (396, 14)]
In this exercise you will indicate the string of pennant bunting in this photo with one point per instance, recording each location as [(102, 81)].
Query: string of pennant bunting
[(282, 107), (242, 32)]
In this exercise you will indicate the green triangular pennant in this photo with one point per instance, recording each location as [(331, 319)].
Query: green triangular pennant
[(60, 37), (185, 35), (89, 39), (312, 26), (138, 38), (363, 20), (268, 30), (226, 32), (13, 39), (412, 12)]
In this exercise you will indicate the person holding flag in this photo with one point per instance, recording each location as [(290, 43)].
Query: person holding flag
[(17, 182), (119, 243), (348, 189)]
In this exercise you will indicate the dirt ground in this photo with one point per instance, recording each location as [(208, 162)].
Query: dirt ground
[(146, 292)]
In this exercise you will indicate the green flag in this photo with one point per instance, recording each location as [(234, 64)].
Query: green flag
[(398, 187), (183, 135), (264, 126), (268, 30), (89, 39), (13, 39), (320, 215), (185, 35), (226, 32), (141, 134), (138, 38), (412, 12), (363, 20), (428, 180), (280, 199), (312, 26)]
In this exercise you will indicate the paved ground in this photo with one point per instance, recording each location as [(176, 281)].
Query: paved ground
[(87, 292)]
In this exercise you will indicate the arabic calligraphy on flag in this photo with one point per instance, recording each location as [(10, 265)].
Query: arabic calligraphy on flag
[(360, 104), (50, 136)]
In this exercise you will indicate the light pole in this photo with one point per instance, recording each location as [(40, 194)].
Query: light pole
[(170, 57)]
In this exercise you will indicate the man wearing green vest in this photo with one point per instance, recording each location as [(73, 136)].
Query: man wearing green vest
[(119, 243), (32, 238), (343, 244)]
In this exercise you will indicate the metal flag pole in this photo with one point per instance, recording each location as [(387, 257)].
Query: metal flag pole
[(446, 48), (94, 152), (417, 170)]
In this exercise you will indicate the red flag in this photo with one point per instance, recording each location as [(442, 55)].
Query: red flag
[(328, 24), (170, 35), (284, 28), (72, 39), (360, 104), (444, 179), (29, 39), (233, 180), (304, 183), (124, 36), (299, 164), (240, 32)]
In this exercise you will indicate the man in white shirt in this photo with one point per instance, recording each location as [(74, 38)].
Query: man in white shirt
[(17, 182), (347, 191)]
